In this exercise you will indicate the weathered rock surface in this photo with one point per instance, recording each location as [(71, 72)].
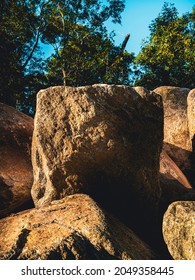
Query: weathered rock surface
[(16, 176), (176, 133), (174, 186), (191, 124), (191, 113), (101, 140), (179, 229), (70, 228)]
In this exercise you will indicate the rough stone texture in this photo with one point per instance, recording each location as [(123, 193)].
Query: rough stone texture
[(16, 176), (176, 133), (191, 124), (191, 113), (179, 229), (174, 186), (169, 168), (101, 140), (70, 228)]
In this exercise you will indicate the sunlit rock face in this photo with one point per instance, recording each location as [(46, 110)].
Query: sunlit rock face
[(179, 228), (179, 127), (177, 142), (103, 140), (73, 228)]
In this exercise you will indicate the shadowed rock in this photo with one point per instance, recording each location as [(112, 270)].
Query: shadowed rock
[(15, 159)]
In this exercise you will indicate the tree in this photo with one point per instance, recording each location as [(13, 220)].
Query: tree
[(93, 59), (84, 52), (168, 56), (21, 24)]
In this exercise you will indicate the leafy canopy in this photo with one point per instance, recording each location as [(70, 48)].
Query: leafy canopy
[(168, 56), (21, 24), (84, 51)]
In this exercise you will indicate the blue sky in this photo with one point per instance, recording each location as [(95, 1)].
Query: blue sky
[(137, 16)]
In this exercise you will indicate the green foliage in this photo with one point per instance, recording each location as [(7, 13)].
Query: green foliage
[(20, 28), (89, 58), (168, 56), (84, 52)]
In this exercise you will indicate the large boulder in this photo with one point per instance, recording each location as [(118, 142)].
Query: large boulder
[(179, 229), (16, 175), (70, 228), (103, 140), (177, 142)]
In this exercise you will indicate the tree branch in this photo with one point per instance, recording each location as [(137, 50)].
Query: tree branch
[(125, 42)]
